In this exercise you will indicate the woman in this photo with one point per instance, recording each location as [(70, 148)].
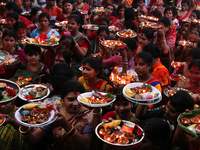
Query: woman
[(27, 4), (121, 10), (143, 68), (73, 129), (92, 74), (101, 32), (183, 13), (181, 51), (66, 10), (44, 20), (33, 55), (193, 54), (193, 81), (11, 18), (145, 37), (35, 13), (160, 72), (195, 14), (82, 44), (80, 5), (62, 56), (165, 39), (8, 42)]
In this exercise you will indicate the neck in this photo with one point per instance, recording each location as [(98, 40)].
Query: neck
[(45, 29), (27, 8), (34, 65), (155, 61), (10, 51), (74, 33), (92, 82), (49, 7), (144, 78), (127, 117)]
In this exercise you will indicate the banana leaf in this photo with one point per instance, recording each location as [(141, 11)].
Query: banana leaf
[(191, 114)]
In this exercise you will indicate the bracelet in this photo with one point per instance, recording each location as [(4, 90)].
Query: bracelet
[(76, 45), (71, 133), (125, 62), (24, 132), (70, 130), (98, 112), (163, 41)]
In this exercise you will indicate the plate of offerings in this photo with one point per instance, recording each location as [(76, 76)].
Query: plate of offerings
[(96, 99), (90, 27), (177, 64), (98, 10), (150, 18), (119, 133), (6, 59), (187, 43), (36, 114), (42, 42), (34, 92), (21, 81), (60, 24), (83, 12), (189, 121), (150, 25), (127, 33), (2, 119), (26, 13), (3, 21), (177, 77), (2, 3), (8, 90), (113, 44), (171, 92), (120, 79), (113, 28), (193, 21), (142, 93)]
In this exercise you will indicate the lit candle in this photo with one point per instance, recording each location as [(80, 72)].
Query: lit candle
[(104, 131), (123, 141), (185, 121), (110, 138)]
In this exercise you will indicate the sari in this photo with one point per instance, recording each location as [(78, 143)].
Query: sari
[(154, 82), (181, 84), (180, 18), (81, 121), (101, 85), (170, 38), (10, 138), (161, 73)]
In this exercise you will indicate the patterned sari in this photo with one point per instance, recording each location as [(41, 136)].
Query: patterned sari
[(154, 82)]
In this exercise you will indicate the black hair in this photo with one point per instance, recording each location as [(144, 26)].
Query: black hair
[(194, 53), (119, 96), (8, 33), (166, 21), (65, 54), (167, 9), (44, 14), (1, 29), (106, 19), (141, 0), (95, 64), (107, 37), (174, 11), (185, 1), (156, 14), (182, 101), (108, 4), (168, 2), (148, 33), (60, 74), (193, 63), (152, 49), (31, 50), (197, 13), (146, 58), (71, 86), (103, 28), (13, 15), (63, 3), (131, 43), (140, 11), (121, 6), (158, 132), (68, 37), (130, 25), (76, 18), (18, 25), (14, 7), (129, 14), (35, 10)]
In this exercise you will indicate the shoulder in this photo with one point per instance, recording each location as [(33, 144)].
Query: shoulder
[(81, 79), (33, 33)]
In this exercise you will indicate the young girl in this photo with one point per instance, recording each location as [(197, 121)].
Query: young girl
[(11, 18), (92, 72), (62, 56), (33, 54)]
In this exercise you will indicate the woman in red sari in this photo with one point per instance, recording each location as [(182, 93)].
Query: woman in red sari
[(80, 5), (183, 13), (165, 39)]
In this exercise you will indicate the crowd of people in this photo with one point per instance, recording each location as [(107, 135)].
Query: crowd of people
[(79, 63)]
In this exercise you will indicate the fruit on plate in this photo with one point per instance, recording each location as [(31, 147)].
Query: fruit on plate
[(29, 106), (112, 124), (85, 100), (129, 93)]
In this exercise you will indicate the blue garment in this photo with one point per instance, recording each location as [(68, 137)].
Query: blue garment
[(36, 33)]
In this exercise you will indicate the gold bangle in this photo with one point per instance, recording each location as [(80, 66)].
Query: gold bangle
[(70, 130), (23, 132), (98, 112), (163, 41)]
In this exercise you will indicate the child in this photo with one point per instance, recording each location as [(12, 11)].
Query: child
[(159, 6), (26, 6), (141, 6)]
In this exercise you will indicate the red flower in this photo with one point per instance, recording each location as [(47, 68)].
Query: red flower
[(43, 36), (11, 93), (137, 130), (29, 97)]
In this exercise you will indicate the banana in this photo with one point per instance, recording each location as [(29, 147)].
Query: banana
[(112, 124), (85, 100), (129, 93), (30, 106)]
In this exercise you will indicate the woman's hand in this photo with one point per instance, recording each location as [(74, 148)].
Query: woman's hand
[(48, 85), (196, 97), (60, 121), (161, 33), (10, 120)]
